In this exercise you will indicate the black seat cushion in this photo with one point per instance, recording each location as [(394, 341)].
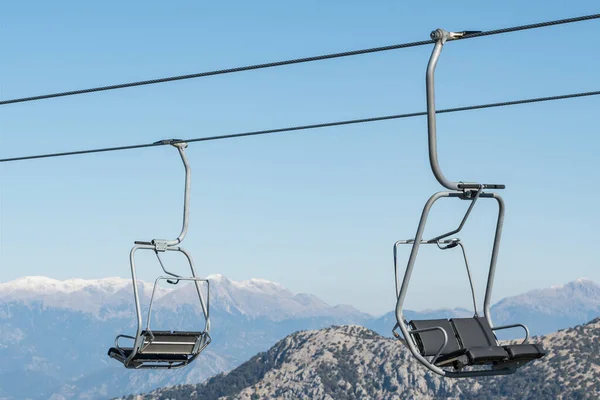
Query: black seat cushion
[(113, 351), (525, 351), (429, 343), (486, 354), (474, 355), (478, 340)]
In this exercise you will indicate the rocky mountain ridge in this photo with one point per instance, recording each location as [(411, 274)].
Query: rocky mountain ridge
[(352, 362)]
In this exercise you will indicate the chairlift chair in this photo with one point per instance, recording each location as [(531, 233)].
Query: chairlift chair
[(165, 349), (457, 347)]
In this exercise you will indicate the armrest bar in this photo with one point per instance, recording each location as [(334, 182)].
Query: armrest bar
[(515, 326), (119, 347), (434, 328), (122, 336)]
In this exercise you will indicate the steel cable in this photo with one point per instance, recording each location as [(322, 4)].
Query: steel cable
[(305, 127), (293, 61)]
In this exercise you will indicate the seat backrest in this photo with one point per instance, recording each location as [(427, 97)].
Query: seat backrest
[(169, 342), (474, 332), (430, 342)]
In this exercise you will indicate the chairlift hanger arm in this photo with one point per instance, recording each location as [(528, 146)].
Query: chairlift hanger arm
[(440, 37), (186, 201), (161, 244), (181, 146)]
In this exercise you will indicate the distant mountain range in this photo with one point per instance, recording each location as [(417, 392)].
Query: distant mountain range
[(542, 310), (57, 333), (354, 363)]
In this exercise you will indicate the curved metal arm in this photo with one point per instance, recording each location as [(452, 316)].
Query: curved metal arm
[(186, 199), (122, 336), (162, 265), (464, 220), (119, 347), (497, 328), (136, 298), (441, 36), (464, 253)]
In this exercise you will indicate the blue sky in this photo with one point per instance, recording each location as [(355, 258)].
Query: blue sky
[(317, 211)]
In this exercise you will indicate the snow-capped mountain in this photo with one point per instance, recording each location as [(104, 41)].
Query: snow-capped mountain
[(551, 309), (57, 333), (252, 298), (88, 296), (262, 298)]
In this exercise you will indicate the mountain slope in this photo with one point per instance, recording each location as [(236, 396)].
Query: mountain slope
[(352, 362), (570, 370), (348, 362)]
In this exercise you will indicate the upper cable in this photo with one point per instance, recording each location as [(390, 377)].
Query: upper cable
[(468, 35)]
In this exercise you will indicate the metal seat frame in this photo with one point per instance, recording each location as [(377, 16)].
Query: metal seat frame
[(144, 338), (460, 190)]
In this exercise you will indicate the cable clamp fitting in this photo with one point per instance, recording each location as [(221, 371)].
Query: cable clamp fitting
[(160, 244), (173, 142), (440, 34)]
